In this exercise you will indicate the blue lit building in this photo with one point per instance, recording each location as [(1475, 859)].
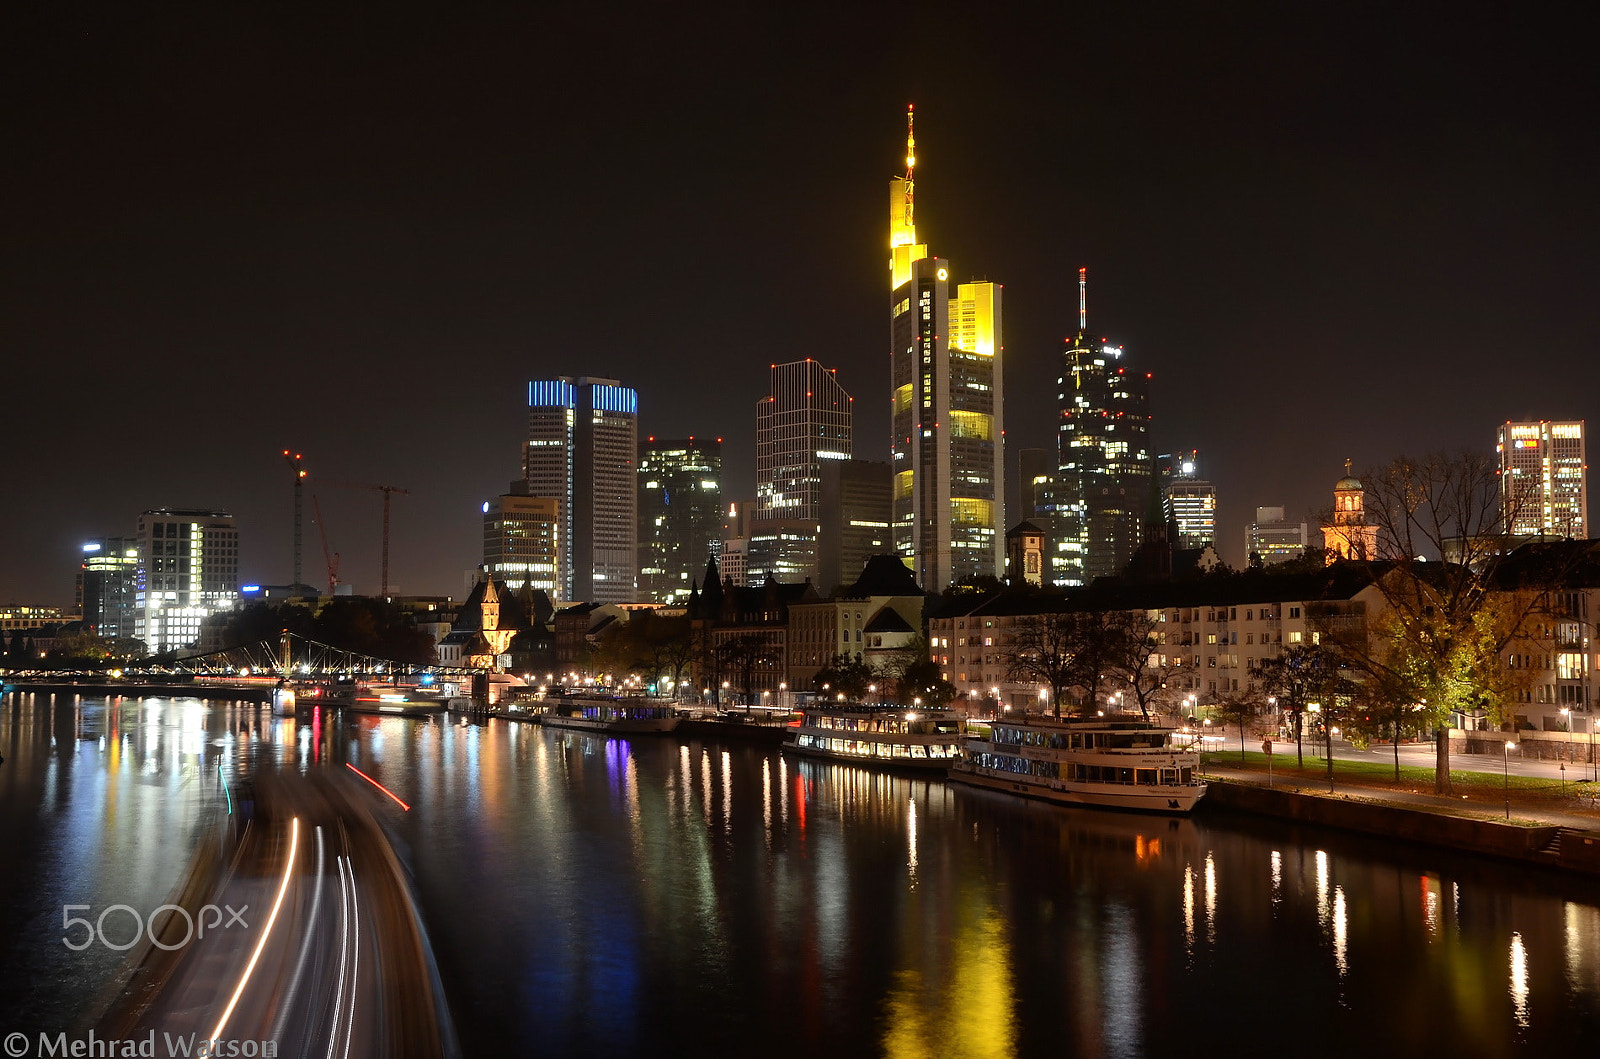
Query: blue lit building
[(581, 452)]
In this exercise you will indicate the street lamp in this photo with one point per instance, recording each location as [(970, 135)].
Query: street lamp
[(1505, 765), (1331, 733)]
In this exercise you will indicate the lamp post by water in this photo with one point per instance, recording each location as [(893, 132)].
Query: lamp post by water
[(1331, 733), (1505, 765)]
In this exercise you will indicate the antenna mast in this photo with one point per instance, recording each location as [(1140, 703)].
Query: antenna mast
[(911, 166), (1083, 299)]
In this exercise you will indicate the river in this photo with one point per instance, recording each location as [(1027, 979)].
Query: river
[(587, 896)]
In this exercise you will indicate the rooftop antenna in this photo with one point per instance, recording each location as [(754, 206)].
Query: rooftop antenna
[(1083, 299), (911, 162)]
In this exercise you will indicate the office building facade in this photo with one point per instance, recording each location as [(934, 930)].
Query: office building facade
[(107, 586), (1544, 479), (188, 571), (522, 544), (680, 514), (804, 422), (856, 503), (947, 441), (1272, 539), (1188, 501), (582, 451)]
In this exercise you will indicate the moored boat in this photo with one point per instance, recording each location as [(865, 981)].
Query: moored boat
[(885, 735), (1108, 762), (609, 716)]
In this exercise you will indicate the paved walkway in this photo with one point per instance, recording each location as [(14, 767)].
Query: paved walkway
[(1478, 806)]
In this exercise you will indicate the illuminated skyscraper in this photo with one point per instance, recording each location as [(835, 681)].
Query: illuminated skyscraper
[(522, 541), (947, 443), (680, 515), (106, 585), (1544, 479), (1188, 501), (581, 451), (804, 422), (1101, 496), (188, 571)]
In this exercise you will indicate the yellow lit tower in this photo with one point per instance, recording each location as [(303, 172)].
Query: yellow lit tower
[(947, 443)]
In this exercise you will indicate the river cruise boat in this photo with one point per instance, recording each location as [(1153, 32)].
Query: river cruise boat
[(885, 735), (1112, 763), (609, 716)]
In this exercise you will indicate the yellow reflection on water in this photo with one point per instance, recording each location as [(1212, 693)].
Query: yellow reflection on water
[(1519, 978), (1341, 936), (968, 1012)]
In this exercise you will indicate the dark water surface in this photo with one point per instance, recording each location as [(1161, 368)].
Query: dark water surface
[(601, 897)]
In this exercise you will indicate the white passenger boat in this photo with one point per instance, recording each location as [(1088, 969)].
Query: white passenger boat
[(609, 716), (885, 735), (1114, 763)]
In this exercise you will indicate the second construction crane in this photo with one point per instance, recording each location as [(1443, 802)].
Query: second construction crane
[(387, 491)]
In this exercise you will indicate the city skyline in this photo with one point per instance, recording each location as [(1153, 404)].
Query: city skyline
[(1266, 231)]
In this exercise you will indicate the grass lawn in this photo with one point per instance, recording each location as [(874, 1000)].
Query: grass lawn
[(1573, 795)]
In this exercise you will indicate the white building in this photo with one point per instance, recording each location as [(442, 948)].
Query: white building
[(188, 571)]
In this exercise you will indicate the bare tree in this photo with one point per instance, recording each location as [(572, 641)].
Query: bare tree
[(1139, 655), (1044, 650), (1441, 537)]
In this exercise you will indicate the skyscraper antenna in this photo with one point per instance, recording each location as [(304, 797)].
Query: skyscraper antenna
[(911, 164), (1083, 299)]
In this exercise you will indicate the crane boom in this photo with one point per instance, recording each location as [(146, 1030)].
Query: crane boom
[(330, 558)]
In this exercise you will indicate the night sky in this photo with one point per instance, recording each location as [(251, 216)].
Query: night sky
[(234, 228)]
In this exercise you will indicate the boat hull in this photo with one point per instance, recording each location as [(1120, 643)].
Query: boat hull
[(1145, 799)]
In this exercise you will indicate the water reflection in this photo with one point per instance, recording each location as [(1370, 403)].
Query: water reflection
[(627, 898)]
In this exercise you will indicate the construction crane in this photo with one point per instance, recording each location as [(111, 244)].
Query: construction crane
[(330, 558), (387, 491), (293, 459)]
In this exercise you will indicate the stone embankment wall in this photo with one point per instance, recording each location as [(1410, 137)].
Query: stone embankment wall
[(1547, 845), (1580, 748)]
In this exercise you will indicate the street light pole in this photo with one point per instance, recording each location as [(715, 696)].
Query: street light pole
[(1505, 765)]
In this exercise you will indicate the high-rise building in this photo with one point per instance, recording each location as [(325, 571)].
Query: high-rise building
[(680, 514), (1028, 484), (947, 441), (522, 541), (581, 451), (1101, 496), (803, 423), (1188, 501), (1544, 479), (856, 504), (1271, 539), (107, 584), (188, 571)]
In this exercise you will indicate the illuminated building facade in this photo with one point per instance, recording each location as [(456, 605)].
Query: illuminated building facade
[(107, 584), (582, 450), (1188, 501), (680, 514), (1346, 535), (947, 441), (522, 541), (1270, 539), (188, 571), (1544, 479), (804, 422), (1101, 497)]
